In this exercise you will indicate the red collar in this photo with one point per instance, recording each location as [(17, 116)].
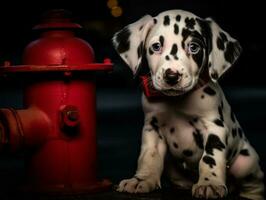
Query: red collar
[(152, 94)]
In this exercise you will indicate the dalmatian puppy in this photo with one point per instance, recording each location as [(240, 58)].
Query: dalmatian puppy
[(192, 133)]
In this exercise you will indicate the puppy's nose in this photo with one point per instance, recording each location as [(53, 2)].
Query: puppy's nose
[(171, 77)]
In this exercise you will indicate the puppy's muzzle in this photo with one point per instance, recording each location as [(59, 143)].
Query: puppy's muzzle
[(171, 77)]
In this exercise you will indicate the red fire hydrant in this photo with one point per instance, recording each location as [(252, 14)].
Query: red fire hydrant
[(58, 124)]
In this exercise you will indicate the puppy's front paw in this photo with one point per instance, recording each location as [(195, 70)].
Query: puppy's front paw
[(209, 190), (137, 185)]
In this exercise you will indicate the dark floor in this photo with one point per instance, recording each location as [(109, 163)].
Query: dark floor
[(164, 194)]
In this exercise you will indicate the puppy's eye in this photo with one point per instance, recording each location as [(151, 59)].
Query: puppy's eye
[(156, 47), (193, 48)]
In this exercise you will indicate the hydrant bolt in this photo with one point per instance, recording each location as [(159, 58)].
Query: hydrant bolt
[(73, 115), (69, 117)]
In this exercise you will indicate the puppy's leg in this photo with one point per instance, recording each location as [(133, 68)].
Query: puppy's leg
[(247, 171), (150, 162), (212, 166), (177, 175)]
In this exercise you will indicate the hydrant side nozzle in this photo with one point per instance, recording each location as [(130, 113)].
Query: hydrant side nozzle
[(35, 125), (11, 133), (3, 137), (18, 128)]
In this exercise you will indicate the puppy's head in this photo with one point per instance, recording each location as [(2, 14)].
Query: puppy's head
[(177, 46)]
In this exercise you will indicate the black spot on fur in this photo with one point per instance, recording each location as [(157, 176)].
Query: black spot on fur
[(233, 116), (122, 39), (220, 44), (244, 152), (151, 51), (187, 153), (229, 154), (219, 122), (177, 18), (166, 20), (240, 132), (191, 123), (223, 36), (172, 130), (143, 62), (154, 124), (140, 49), (222, 104), (208, 90), (234, 132), (198, 58), (161, 39), (213, 142), (195, 119), (174, 51), (176, 29), (198, 138), (161, 137), (190, 23), (206, 33), (154, 21), (226, 139), (221, 40), (141, 27), (215, 76), (209, 161), (206, 179), (202, 96), (232, 51), (175, 145), (183, 44), (214, 174), (167, 57), (185, 33), (220, 111)]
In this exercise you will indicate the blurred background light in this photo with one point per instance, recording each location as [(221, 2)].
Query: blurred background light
[(112, 3), (117, 11)]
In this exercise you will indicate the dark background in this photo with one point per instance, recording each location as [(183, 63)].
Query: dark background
[(118, 96)]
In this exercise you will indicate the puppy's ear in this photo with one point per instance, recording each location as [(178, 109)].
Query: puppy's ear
[(223, 50), (129, 42)]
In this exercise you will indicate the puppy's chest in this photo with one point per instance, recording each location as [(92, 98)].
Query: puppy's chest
[(184, 142)]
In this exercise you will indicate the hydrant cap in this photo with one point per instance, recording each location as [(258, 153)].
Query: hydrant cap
[(57, 50), (58, 45)]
